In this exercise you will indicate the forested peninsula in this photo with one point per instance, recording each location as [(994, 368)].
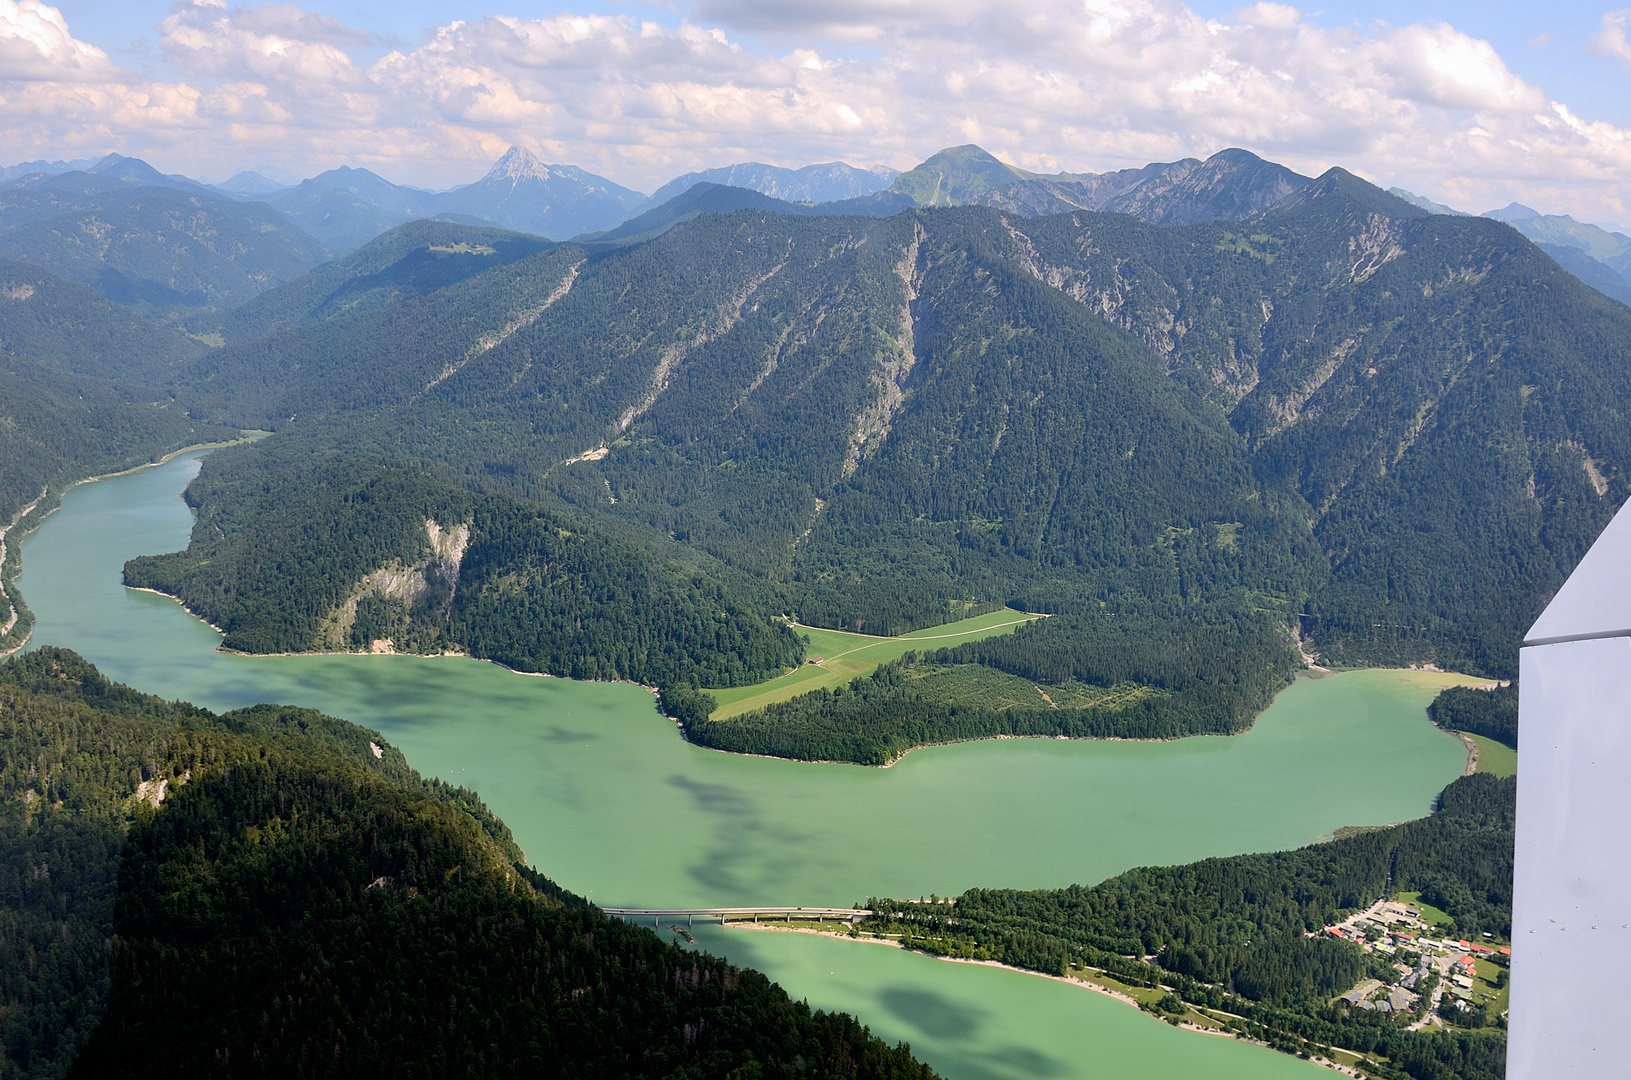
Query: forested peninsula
[(645, 461), (346, 917), (1243, 937)]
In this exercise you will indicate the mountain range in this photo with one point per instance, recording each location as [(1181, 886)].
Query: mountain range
[(345, 207), (833, 181), (1164, 435), (1215, 420), (1141, 417), (1600, 258)]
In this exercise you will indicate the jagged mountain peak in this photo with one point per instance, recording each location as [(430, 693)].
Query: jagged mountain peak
[(519, 163)]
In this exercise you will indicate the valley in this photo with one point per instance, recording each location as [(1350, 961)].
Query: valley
[(598, 787), (1085, 547)]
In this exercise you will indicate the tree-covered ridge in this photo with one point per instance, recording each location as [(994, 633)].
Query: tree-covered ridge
[(288, 556), (85, 389), (1444, 397), (418, 258), (1341, 410), (1492, 713), (87, 386), (1157, 679), (745, 393), (292, 898), (162, 251), (1242, 933), (80, 759)]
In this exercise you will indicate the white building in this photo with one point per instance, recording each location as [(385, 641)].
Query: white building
[(1571, 927)]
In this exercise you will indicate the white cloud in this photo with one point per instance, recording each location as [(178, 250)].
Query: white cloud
[(1048, 84), (35, 45), (1609, 39)]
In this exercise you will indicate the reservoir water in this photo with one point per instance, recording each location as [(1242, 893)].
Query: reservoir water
[(606, 798)]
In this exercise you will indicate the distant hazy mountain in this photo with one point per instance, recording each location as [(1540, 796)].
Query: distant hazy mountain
[(833, 181), (520, 192), (1612, 248), (706, 198), (113, 167), (9, 173), (1605, 279), (1600, 258), (162, 250), (250, 183), (136, 171), (345, 207), (1228, 186), (1425, 203)]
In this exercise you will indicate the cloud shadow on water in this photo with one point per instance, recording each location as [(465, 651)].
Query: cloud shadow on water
[(744, 841), (935, 1015)]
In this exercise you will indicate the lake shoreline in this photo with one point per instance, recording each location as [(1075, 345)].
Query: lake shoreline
[(1081, 984), (315, 653), (611, 805), (8, 580), (1029, 617)]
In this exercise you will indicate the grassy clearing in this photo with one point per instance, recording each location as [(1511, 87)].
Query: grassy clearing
[(1485, 990), (1428, 912), (1495, 758), (835, 657)]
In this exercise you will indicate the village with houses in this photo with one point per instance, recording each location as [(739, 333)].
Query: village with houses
[(1463, 981)]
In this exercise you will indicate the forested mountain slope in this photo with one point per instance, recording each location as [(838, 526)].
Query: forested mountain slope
[(160, 250), (87, 386), (1447, 400), (295, 554), (343, 916), (407, 262), (739, 391), (1389, 431)]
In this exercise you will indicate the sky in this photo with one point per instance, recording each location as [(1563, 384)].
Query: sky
[(1475, 105)]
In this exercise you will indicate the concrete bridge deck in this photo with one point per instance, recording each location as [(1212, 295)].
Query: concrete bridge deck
[(787, 914)]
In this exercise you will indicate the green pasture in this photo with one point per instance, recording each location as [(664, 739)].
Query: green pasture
[(1430, 914), (1493, 757), (834, 657)]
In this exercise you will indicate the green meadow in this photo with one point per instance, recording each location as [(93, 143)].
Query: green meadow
[(834, 657)]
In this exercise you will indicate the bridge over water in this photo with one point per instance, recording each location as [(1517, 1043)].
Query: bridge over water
[(787, 914)]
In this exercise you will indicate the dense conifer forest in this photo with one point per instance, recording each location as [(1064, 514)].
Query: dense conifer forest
[(1327, 427), (1491, 713), (1173, 681), (278, 551), (1241, 934), (86, 387), (1345, 423), (344, 917)]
